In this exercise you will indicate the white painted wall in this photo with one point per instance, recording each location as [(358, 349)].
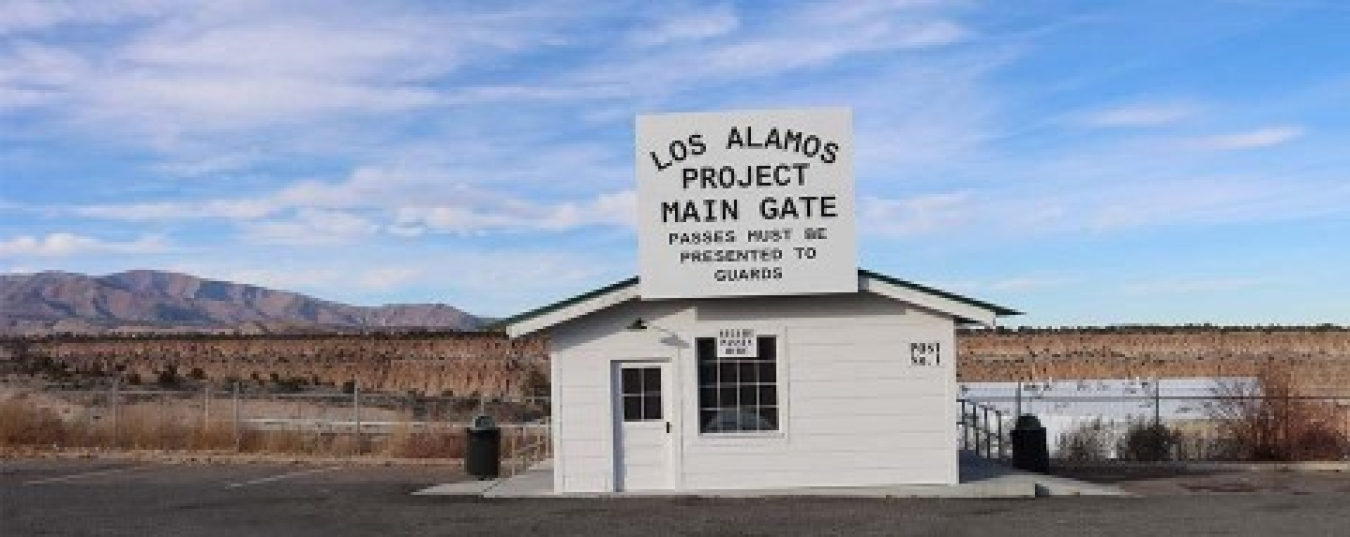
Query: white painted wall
[(854, 409)]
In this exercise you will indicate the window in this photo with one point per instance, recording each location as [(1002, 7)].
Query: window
[(641, 388), (737, 394)]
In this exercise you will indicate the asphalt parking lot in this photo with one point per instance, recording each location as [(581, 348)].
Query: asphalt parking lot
[(91, 497)]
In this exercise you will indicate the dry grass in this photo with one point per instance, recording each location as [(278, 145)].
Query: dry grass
[(25, 423), (425, 443)]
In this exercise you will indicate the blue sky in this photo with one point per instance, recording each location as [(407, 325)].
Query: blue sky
[(1087, 162)]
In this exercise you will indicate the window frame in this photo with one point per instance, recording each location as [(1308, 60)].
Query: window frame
[(644, 395), (695, 407)]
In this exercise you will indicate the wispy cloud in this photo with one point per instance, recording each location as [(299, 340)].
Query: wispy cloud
[(168, 73), (70, 244), (1253, 139), (1145, 114), (916, 215), (516, 214), (310, 227), (696, 24), (399, 202)]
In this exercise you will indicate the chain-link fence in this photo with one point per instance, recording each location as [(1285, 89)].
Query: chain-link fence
[(249, 421), (1160, 420)]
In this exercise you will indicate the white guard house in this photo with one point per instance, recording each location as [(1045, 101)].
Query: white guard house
[(844, 389)]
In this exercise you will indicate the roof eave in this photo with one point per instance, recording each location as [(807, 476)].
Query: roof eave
[(962, 308)]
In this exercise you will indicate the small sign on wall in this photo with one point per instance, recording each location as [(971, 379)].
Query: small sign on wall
[(737, 343), (927, 353)]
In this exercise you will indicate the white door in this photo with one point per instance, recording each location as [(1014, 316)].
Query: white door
[(642, 412)]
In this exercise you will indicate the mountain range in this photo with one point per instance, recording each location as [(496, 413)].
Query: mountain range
[(151, 301)]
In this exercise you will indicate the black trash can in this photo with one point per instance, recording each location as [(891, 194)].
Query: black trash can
[(483, 459), (1030, 451)]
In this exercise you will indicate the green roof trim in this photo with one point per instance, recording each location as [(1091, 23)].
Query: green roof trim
[(998, 310)]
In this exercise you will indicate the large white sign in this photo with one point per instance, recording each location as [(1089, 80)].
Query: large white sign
[(746, 203)]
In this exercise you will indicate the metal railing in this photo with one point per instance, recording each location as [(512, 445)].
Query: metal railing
[(982, 429), (534, 446), (1150, 426)]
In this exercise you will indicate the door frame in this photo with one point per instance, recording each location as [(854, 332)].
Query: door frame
[(672, 410)]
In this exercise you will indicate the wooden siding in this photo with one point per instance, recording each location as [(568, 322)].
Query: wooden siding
[(854, 409)]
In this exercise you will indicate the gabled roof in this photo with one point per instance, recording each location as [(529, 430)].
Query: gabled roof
[(963, 308)]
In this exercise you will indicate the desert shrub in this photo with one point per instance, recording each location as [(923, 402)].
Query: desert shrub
[(1088, 441), (288, 384), (1147, 440), (167, 377), (536, 384), (1267, 421)]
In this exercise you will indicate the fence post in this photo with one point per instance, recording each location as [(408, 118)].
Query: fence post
[(114, 398), (356, 412), (965, 427), (998, 415), (1285, 444), (238, 431), (1345, 433), (206, 408), (1157, 403), (988, 440)]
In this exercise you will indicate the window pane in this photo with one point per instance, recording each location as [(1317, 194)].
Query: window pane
[(632, 408), (726, 373), (707, 397), (768, 395), (749, 395), (707, 420), (769, 415), (726, 396), (746, 370), (768, 348), (651, 380), (651, 407), (707, 374), (632, 381), (705, 348), (768, 372)]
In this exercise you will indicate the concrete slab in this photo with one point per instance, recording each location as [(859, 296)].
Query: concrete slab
[(462, 488), (980, 478), (1049, 485)]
